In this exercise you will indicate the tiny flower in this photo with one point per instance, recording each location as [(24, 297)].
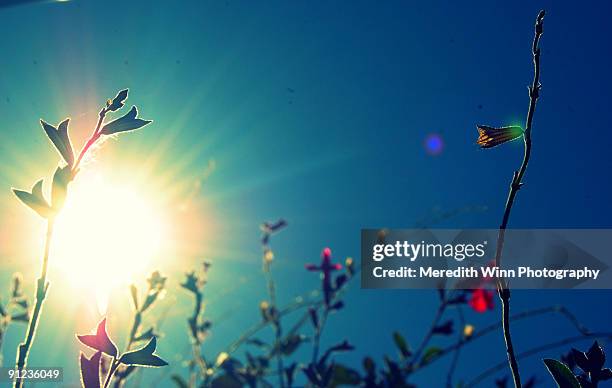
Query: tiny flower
[(221, 358), (468, 331), (481, 300), (268, 255), (349, 263), (489, 137), (156, 281)]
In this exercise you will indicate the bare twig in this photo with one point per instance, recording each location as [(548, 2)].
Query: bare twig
[(515, 185), (495, 326)]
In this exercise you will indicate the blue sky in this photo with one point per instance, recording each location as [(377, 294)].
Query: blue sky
[(317, 112)]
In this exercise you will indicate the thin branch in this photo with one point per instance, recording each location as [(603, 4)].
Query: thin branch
[(502, 286), (495, 326), (429, 335)]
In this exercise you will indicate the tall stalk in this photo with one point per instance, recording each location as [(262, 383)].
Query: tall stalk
[(41, 292), (515, 185)]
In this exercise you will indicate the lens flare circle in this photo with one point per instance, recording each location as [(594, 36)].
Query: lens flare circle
[(434, 144)]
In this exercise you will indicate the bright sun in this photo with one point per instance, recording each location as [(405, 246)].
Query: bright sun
[(105, 236)]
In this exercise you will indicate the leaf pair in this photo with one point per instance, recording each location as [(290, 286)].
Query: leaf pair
[(128, 122), (35, 199), (591, 362), (100, 341), (60, 139)]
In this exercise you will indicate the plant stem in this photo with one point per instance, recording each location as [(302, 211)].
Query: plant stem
[(427, 338), (111, 372), (94, 137), (515, 185), (42, 286), (276, 325), (454, 362), (317, 338)]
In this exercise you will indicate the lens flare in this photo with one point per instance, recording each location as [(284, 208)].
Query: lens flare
[(105, 236), (434, 145)]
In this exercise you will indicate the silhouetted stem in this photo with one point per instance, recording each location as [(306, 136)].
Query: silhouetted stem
[(23, 350), (135, 326), (495, 326), (427, 338), (94, 137), (515, 185), (456, 353), (111, 372), (317, 336), (278, 331)]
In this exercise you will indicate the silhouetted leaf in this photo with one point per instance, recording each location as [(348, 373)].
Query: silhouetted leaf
[(580, 359), (226, 381), (314, 317), (340, 281), (59, 189), (343, 346), (191, 283), (257, 342), (35, 200), (23, 317), (145, 336), (291, 344), (561, 374), (369, 366), (151, 297), (269, 228), (290, 373), (179, 381), (605, 374), (90, 370), (343, 375), (430, 354), (118, 102), (596, 357), (401, 344), (143, 356), (501, 382), (128, 122), (59, 138), (100, 341), (125, 372), (445, 328), (134, 293)]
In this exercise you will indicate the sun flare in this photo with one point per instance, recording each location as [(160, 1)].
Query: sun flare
[(105, 236)]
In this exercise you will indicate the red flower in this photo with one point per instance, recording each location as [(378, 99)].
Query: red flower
[(326, 268), (481, 300)]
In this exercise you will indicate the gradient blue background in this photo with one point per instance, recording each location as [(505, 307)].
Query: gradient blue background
[(342, 151)]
